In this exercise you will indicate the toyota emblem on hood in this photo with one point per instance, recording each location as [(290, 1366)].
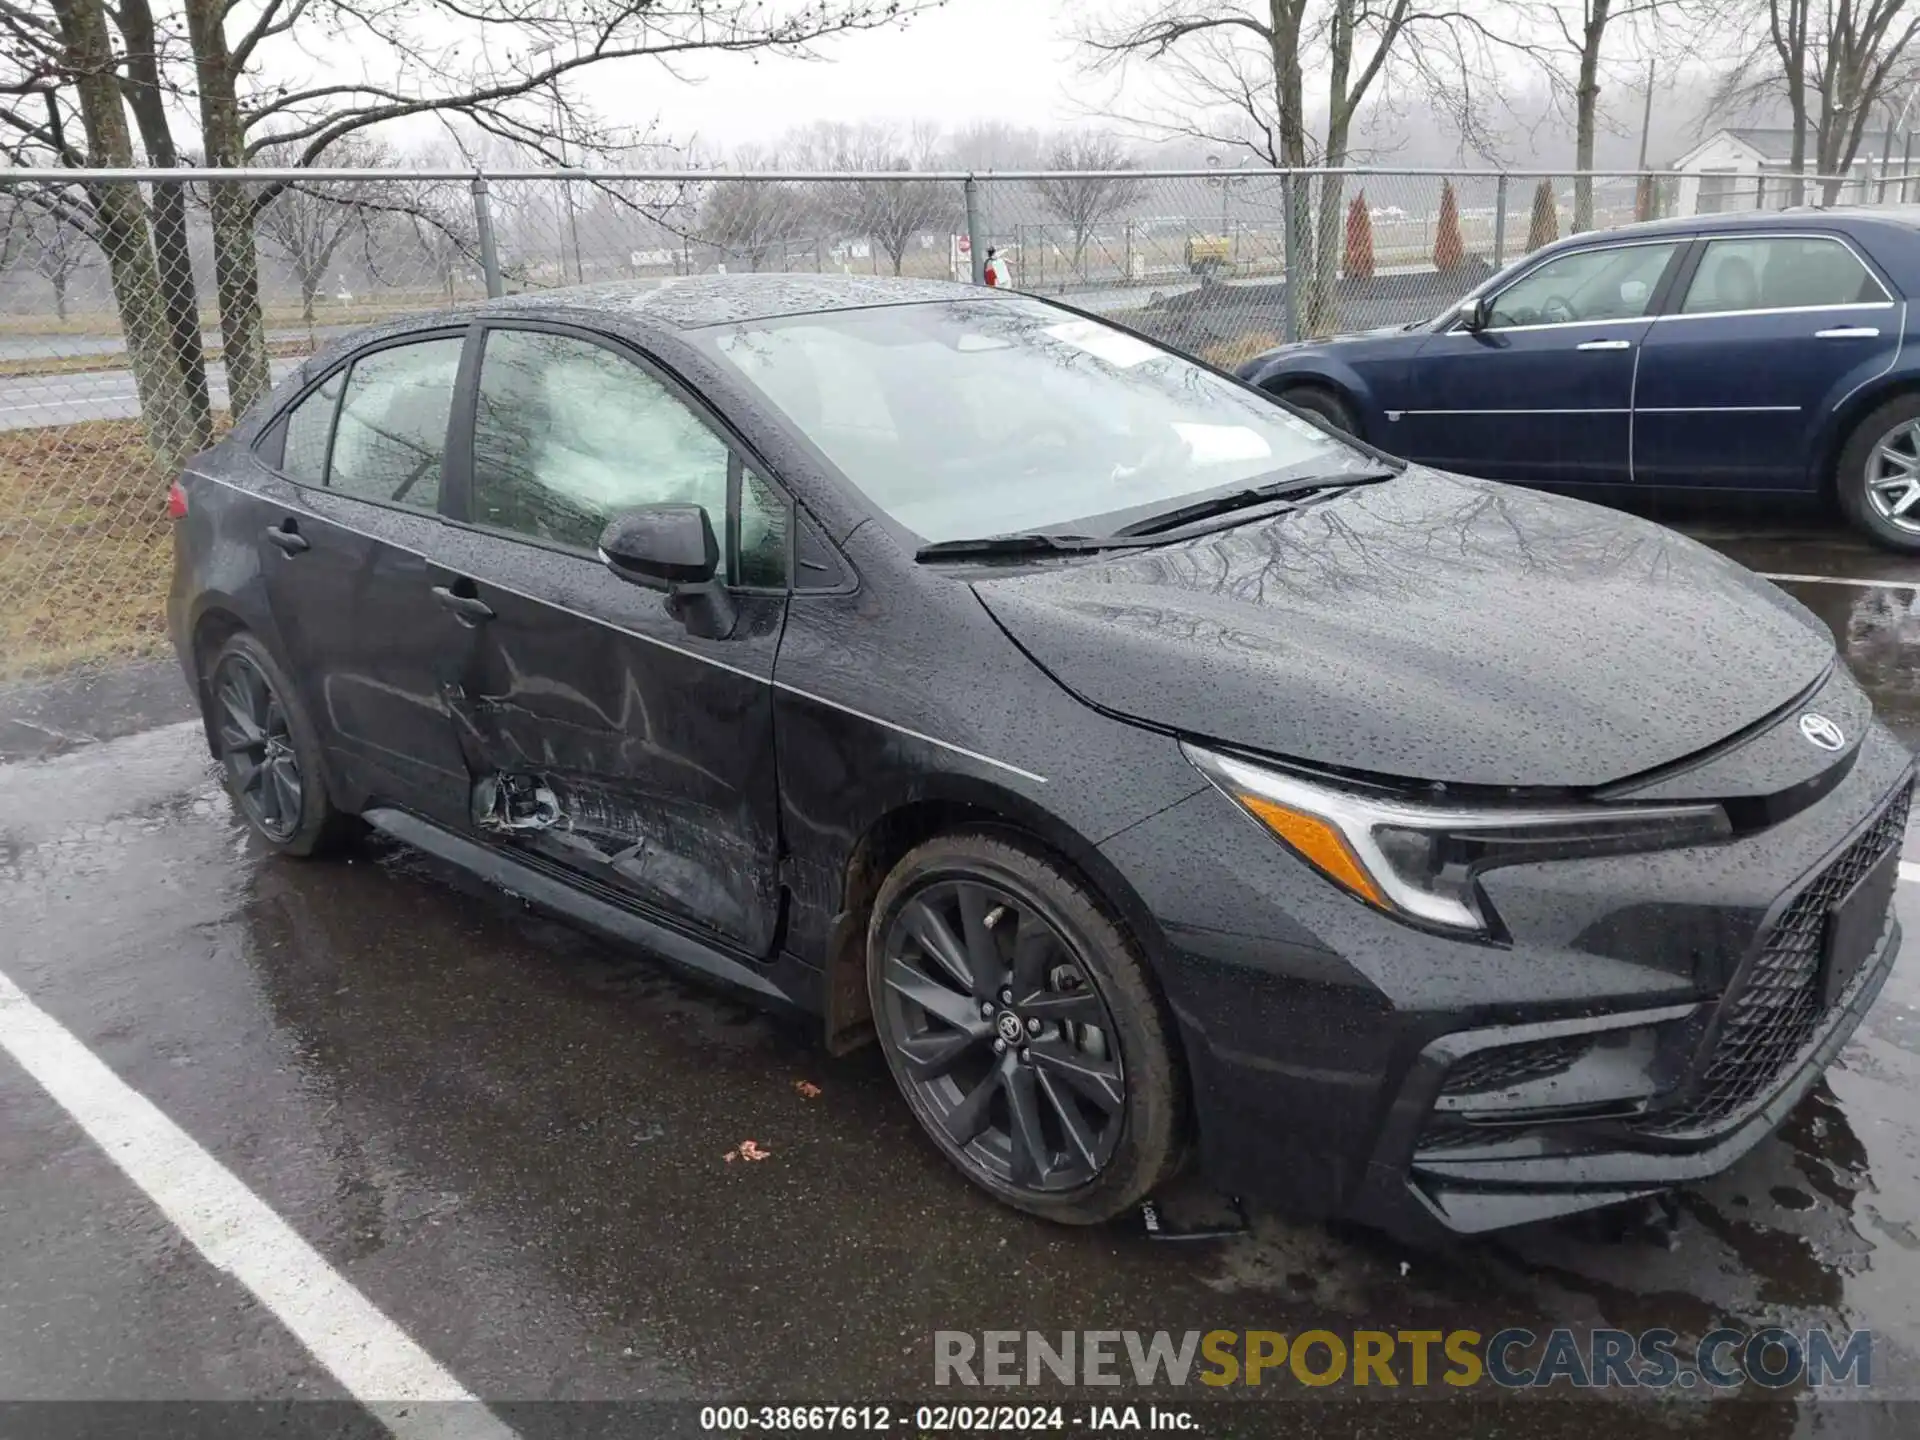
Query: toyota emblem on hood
[(1822, 731)]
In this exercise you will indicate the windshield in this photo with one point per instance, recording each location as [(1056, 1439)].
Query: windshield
[(984, 417)]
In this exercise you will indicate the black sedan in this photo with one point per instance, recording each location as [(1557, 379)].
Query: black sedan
[(1152, 772)]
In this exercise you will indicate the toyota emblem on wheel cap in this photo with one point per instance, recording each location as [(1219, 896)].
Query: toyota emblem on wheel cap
[(1010, 1029), (1822, 731)]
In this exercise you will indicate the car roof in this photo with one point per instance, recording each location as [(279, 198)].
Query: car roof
[(696, 301), (1841, 217)]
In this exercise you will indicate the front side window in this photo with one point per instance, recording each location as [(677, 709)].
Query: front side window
[(392, 433), (982, 417), (1779, 272), (1613, 283), (567, 434)]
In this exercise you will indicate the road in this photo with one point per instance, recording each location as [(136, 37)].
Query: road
[(28, 401), (483, 1153), (41, 347)]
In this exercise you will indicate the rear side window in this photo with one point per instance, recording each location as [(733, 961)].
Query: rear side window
[(391, 437), (308, 426), (1778, 272)]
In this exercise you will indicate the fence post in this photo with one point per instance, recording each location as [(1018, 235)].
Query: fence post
[(976, 233), (483, 226), (1289, 253), (1499, 222)]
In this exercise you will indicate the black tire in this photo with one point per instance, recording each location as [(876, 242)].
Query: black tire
[(1105, 1030), (1896, 424), (1320, 401), (282, 743)]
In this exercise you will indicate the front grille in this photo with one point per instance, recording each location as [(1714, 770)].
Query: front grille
[(1505, 1066), (1773, 1016)]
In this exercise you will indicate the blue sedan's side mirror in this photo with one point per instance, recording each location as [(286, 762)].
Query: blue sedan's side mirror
[(1476, 313)]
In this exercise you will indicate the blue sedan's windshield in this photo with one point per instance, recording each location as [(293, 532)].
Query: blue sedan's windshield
[(983, 417)]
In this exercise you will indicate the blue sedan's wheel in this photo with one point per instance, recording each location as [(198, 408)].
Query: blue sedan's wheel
[(1326, 404), (1878, 476)]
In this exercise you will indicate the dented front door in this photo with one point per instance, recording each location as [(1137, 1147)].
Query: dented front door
[(605, 739)]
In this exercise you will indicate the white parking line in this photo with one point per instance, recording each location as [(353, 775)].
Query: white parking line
[(1910, 871), (1843, 580), (370, 1356)]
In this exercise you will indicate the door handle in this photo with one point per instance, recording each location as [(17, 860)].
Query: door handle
[(467, 609), (291, 542), (1848, 332), (1604, 345)]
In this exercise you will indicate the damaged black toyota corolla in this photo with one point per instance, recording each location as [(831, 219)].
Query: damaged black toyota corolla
[(1155, 773)]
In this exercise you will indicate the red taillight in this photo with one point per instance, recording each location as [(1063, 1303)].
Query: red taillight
[(176, 502)]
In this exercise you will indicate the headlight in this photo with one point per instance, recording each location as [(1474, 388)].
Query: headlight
[(1419, 861)]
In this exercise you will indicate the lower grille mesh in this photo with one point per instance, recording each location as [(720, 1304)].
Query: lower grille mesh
[(1775, 1010)]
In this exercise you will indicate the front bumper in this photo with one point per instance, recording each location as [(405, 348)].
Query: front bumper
[(1345, 1064)]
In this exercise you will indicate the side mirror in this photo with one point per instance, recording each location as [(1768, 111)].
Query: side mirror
[(672, 548), (661, 546), (1477, 313)]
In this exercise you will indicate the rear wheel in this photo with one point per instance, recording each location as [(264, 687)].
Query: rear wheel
[(1877, 478), (1022, 1028), (269, 751), (1318, 400)]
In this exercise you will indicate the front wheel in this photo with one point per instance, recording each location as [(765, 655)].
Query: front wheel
[(1877, 478), (1320, 401), (1021, 1026)]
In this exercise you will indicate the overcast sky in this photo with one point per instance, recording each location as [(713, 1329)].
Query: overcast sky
[(970, 59)]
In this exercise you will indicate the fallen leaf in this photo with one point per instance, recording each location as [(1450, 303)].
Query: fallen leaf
[(808, 1090), (747, 1150)]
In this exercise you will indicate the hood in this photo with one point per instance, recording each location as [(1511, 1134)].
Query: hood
[(1387, 340), (1430, 628)]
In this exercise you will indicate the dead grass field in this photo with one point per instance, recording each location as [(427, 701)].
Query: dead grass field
[(85, 546)]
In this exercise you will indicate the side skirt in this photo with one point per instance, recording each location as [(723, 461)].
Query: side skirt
[(550, 893)]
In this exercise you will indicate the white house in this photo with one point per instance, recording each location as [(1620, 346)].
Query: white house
[(1748, 168)]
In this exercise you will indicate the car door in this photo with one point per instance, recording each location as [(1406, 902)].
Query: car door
[(1769, 333), (1542, 393), (606, 738), (344, 551)]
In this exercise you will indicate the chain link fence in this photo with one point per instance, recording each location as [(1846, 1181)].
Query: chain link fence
[(115, 362)]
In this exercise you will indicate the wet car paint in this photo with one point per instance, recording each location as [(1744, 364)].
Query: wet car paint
[(512, 1138), (1538, 639), (659, 780)]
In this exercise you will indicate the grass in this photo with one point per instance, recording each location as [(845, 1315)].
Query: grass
[(86, 550)]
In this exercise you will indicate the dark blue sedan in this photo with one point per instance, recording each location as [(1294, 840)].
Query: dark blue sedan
[(1727, 354)]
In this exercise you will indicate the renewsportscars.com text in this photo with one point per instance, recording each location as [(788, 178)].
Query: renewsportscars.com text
[(1512, 1358)]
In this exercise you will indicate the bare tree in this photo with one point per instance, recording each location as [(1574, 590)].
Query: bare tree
[(503, 67), (115, 216), (1084, 201), (1574, 44), (51, 248), (1240, 66), (889, 212), (1835, 62), (749, 219), (308, 223)]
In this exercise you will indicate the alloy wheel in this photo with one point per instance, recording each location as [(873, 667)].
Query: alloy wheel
[(257, 747), (1001, 1036), (1893, 476)]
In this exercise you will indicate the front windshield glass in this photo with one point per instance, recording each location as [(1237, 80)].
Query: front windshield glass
[(986, 417)]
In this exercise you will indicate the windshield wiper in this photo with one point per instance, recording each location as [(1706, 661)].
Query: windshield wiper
[(1252, 495), (1027, 542)]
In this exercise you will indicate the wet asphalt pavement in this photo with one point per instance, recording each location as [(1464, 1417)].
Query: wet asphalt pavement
[(512, 1139)]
